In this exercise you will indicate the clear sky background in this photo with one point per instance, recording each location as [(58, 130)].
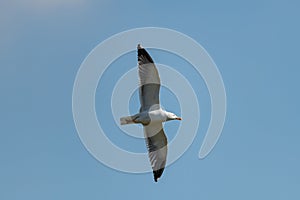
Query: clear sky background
[(255, 45)]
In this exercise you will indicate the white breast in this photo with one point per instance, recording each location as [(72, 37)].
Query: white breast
[(157, 115)]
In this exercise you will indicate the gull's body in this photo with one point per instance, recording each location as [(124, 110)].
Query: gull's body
[(151, 115)]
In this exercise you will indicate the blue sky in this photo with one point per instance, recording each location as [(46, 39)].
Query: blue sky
[(255, 46)]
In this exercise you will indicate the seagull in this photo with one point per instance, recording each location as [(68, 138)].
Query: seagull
[(151, 115)]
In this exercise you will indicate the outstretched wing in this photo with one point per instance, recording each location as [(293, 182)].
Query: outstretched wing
[(149, 81), (156, 141)]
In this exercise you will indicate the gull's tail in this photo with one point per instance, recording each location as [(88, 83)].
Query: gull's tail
[(126, 120)]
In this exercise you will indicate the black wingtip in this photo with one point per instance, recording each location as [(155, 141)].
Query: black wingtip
[(157, 174), (143, 55)]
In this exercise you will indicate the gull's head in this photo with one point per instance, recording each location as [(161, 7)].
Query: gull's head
[(172, 116)]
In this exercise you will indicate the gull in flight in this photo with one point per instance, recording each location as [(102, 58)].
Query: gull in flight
[(151, 116)]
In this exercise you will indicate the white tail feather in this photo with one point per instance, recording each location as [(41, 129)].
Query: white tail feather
[(126, 120)]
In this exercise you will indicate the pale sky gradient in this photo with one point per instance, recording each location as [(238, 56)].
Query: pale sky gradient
[(255, 45)]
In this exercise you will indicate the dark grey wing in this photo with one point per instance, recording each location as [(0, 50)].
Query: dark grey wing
[(149, 81), (156, 142)]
